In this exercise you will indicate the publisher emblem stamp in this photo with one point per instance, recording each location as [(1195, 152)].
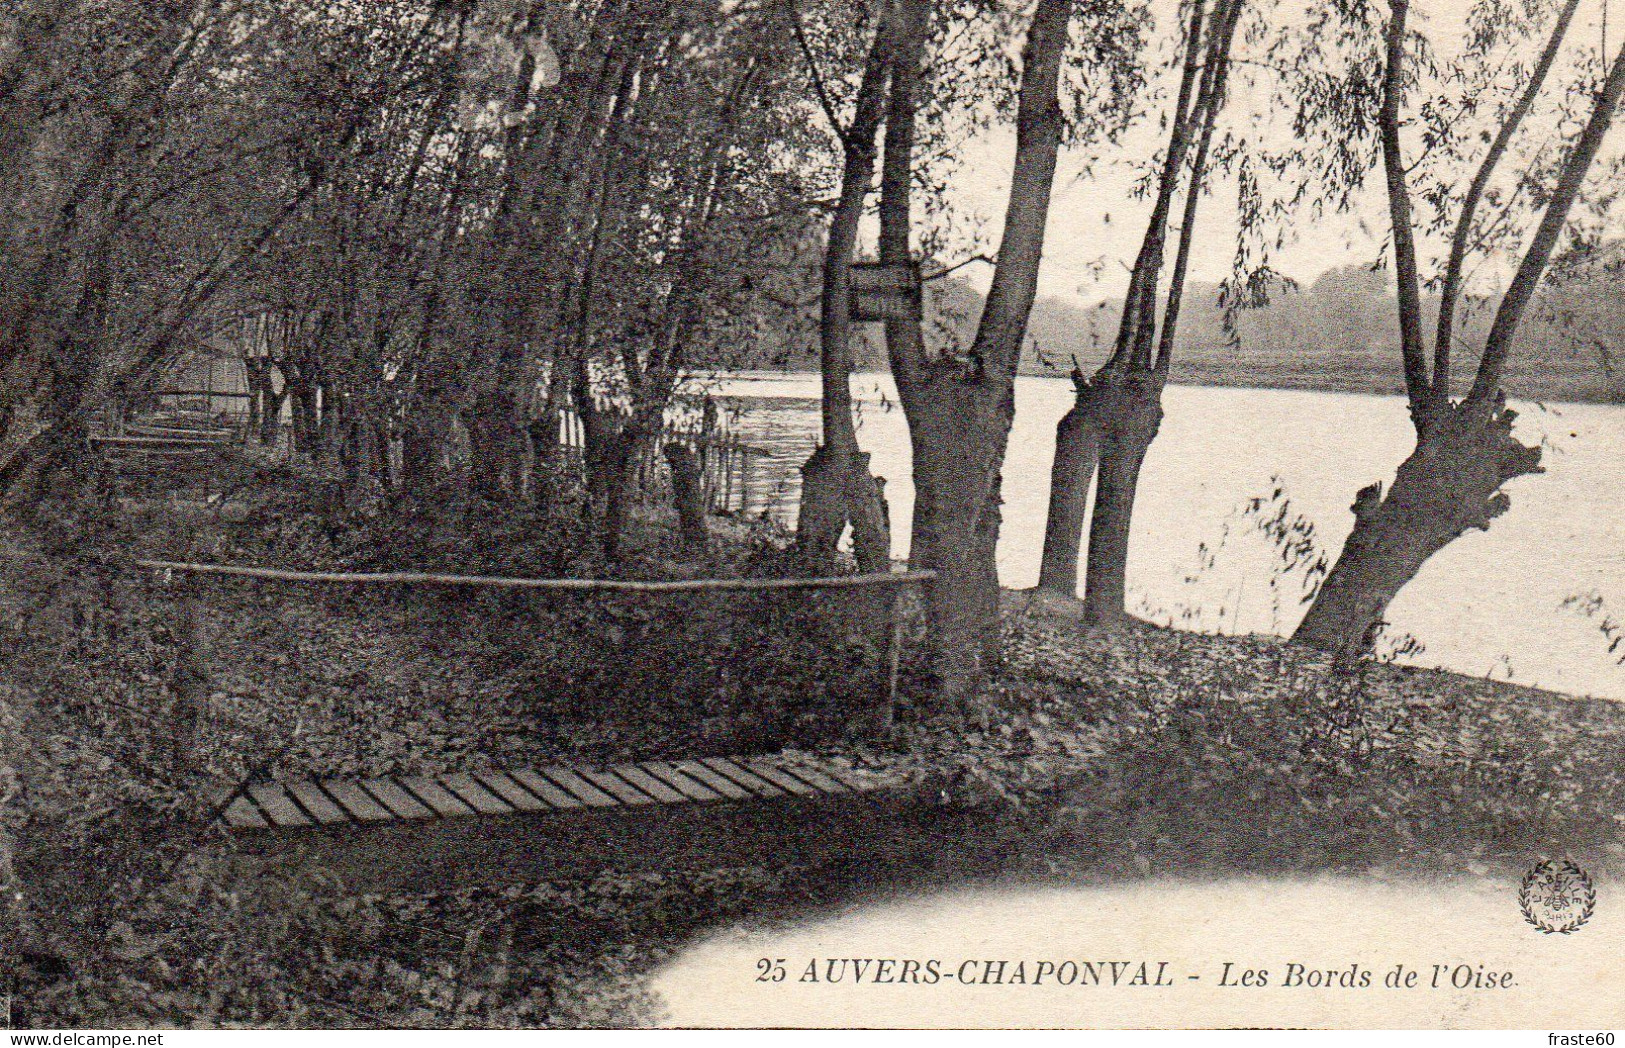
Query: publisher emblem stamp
[(1557, 896)]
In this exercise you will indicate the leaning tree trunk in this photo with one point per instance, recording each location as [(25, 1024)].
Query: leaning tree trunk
[(1465, 452), (1450, 484)]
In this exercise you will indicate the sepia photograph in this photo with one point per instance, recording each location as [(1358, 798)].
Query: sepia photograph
[(812, 514)]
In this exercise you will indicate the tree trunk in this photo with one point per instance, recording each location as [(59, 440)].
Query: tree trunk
[(254, 372), (546, 458), (959, 542), (305, 416), (870, 516), (832, 491), (1130, 428), (424, 438), (618, 478), (822, 516), (1451, 483), (982, 572), (498, 442), (330, 429), (601, 433), (960, 410), (1106, 435), (836, 490), (1077, 453), (688, 496), (1464, 452), (1118, 411), (271, 419)]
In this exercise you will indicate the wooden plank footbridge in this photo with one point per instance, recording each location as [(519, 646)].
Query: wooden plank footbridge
[(489, 825)]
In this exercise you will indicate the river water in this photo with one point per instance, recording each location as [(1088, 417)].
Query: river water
[(1525, 601)]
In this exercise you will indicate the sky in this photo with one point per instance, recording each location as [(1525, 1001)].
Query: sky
[(1096, 223)]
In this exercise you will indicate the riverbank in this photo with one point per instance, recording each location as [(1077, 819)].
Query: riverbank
[(1094, 760), (1214, 754), (1571, 379), (1526, 599)]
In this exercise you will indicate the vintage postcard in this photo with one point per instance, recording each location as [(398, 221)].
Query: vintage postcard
[(841, 514)]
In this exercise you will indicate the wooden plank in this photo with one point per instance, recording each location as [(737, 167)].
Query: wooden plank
[(647, 784), (845, 776), (768, 770), (728, 769), (505, 787), (277, 805), (689, 786), (654, 787), (578, 787), (721, 783), (241, 814), (389, 793), (814, 776), (892, 828), (317, 803), (615, 787), (478, 797), (548, 790), (353, 799), (436, 796)]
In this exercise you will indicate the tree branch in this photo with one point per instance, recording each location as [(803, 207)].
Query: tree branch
[(814, 75), (1533, 267), (1399, 211), (939, 274), (1139, 304), (1450, 293), (1039, 127), (1209, 100)]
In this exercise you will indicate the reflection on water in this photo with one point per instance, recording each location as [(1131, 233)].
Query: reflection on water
[(1490, 603), (1320, 952)]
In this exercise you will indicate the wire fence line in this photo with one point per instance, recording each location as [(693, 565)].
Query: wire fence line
[(893, 578), (889, 626)]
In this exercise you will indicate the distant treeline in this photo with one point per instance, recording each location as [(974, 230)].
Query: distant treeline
[(1337, 333)]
